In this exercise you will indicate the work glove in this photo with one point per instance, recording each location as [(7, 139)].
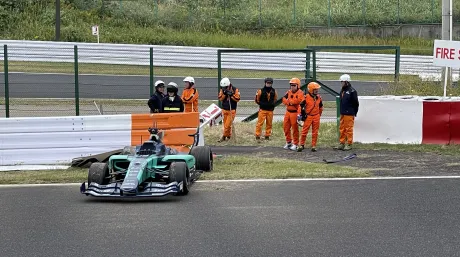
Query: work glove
[(229, 92)]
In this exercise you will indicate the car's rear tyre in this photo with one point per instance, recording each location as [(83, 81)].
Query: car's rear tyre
[(178, 172), (98, 173), (203, 157)]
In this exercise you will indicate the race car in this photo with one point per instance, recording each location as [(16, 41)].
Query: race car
[(151, 169)]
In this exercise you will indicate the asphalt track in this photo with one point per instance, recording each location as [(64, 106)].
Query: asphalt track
[(404, 217), (36, 85)]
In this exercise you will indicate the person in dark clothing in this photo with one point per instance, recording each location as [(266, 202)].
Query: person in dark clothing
[(349, 105), (265, 98), (155, 100), (172, 102)]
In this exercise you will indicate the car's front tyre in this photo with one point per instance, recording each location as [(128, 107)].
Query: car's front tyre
[(98, 172), (178, 172)]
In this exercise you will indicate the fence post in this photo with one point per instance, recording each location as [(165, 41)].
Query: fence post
[(294, 14), (7, 86), (397, 63), (307, 60), (219, 73), (364, 12), (314, 65), (151, 70), (77, 93)]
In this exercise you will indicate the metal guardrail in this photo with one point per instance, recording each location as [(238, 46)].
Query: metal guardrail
[(206, 57)]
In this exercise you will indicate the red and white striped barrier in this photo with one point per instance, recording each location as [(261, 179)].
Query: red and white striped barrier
[(408, 120)]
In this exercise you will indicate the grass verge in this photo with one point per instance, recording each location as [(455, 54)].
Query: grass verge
[(144, 70), (120, 102), (327, 138), (233, 167)]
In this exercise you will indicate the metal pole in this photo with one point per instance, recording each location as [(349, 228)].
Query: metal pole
[(294, 19), (58, 21), (260, 13), (446, 35), (398, 61), (7, 87), (151, 70), (307, 66), (329, 13), (364, 12), (314, 65), (77, 93), (399, 9)]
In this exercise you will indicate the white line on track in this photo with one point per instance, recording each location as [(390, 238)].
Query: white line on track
[(261, 180)]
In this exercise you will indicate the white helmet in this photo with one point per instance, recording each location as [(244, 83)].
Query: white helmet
[(189, 79), (173, 84), (225, 82), (345, 77), (158, 82)]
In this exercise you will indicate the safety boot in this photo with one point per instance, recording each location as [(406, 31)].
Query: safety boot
[(258, 139), (293, 148), (313, 149), (287, 146), (347, 147), (340, 147), (267, 137), (300, 148), (223, 138)]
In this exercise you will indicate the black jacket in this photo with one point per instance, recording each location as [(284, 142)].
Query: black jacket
[(172, 106), (264, 103), (349, 103), (155, 102)]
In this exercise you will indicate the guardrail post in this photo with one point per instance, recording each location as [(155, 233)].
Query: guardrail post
[(151, 71), (77, 93), (219, 73), (397, 63), (7, 86)]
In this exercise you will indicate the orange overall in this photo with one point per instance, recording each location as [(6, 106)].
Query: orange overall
[(292, 102), (190, 98), (311, 115), (229, 105), (265, 98)]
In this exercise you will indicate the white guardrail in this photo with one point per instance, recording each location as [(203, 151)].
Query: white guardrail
[(206, 57)]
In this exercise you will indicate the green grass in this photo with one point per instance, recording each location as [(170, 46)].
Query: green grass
[(415, 86), (240, 167), (327, 138), (204, 23), (68, 68), (233, 167)]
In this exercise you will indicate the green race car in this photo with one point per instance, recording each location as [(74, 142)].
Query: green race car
[(148, 170)]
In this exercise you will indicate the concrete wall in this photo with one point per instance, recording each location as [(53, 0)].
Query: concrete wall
[(414, 30)]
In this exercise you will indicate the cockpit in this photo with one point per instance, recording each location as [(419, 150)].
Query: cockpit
[(151, 148)]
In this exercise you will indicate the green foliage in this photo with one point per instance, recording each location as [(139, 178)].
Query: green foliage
[(221, 23), (415, 86)]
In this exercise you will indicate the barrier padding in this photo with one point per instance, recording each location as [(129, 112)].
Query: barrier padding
[(454, 123), (57, 140), (176, 127), (386, 120), (436, 116)]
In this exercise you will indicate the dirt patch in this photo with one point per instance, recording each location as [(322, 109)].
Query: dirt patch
[(378, 162)]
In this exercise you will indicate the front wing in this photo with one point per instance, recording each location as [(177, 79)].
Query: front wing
[(113, 190)]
